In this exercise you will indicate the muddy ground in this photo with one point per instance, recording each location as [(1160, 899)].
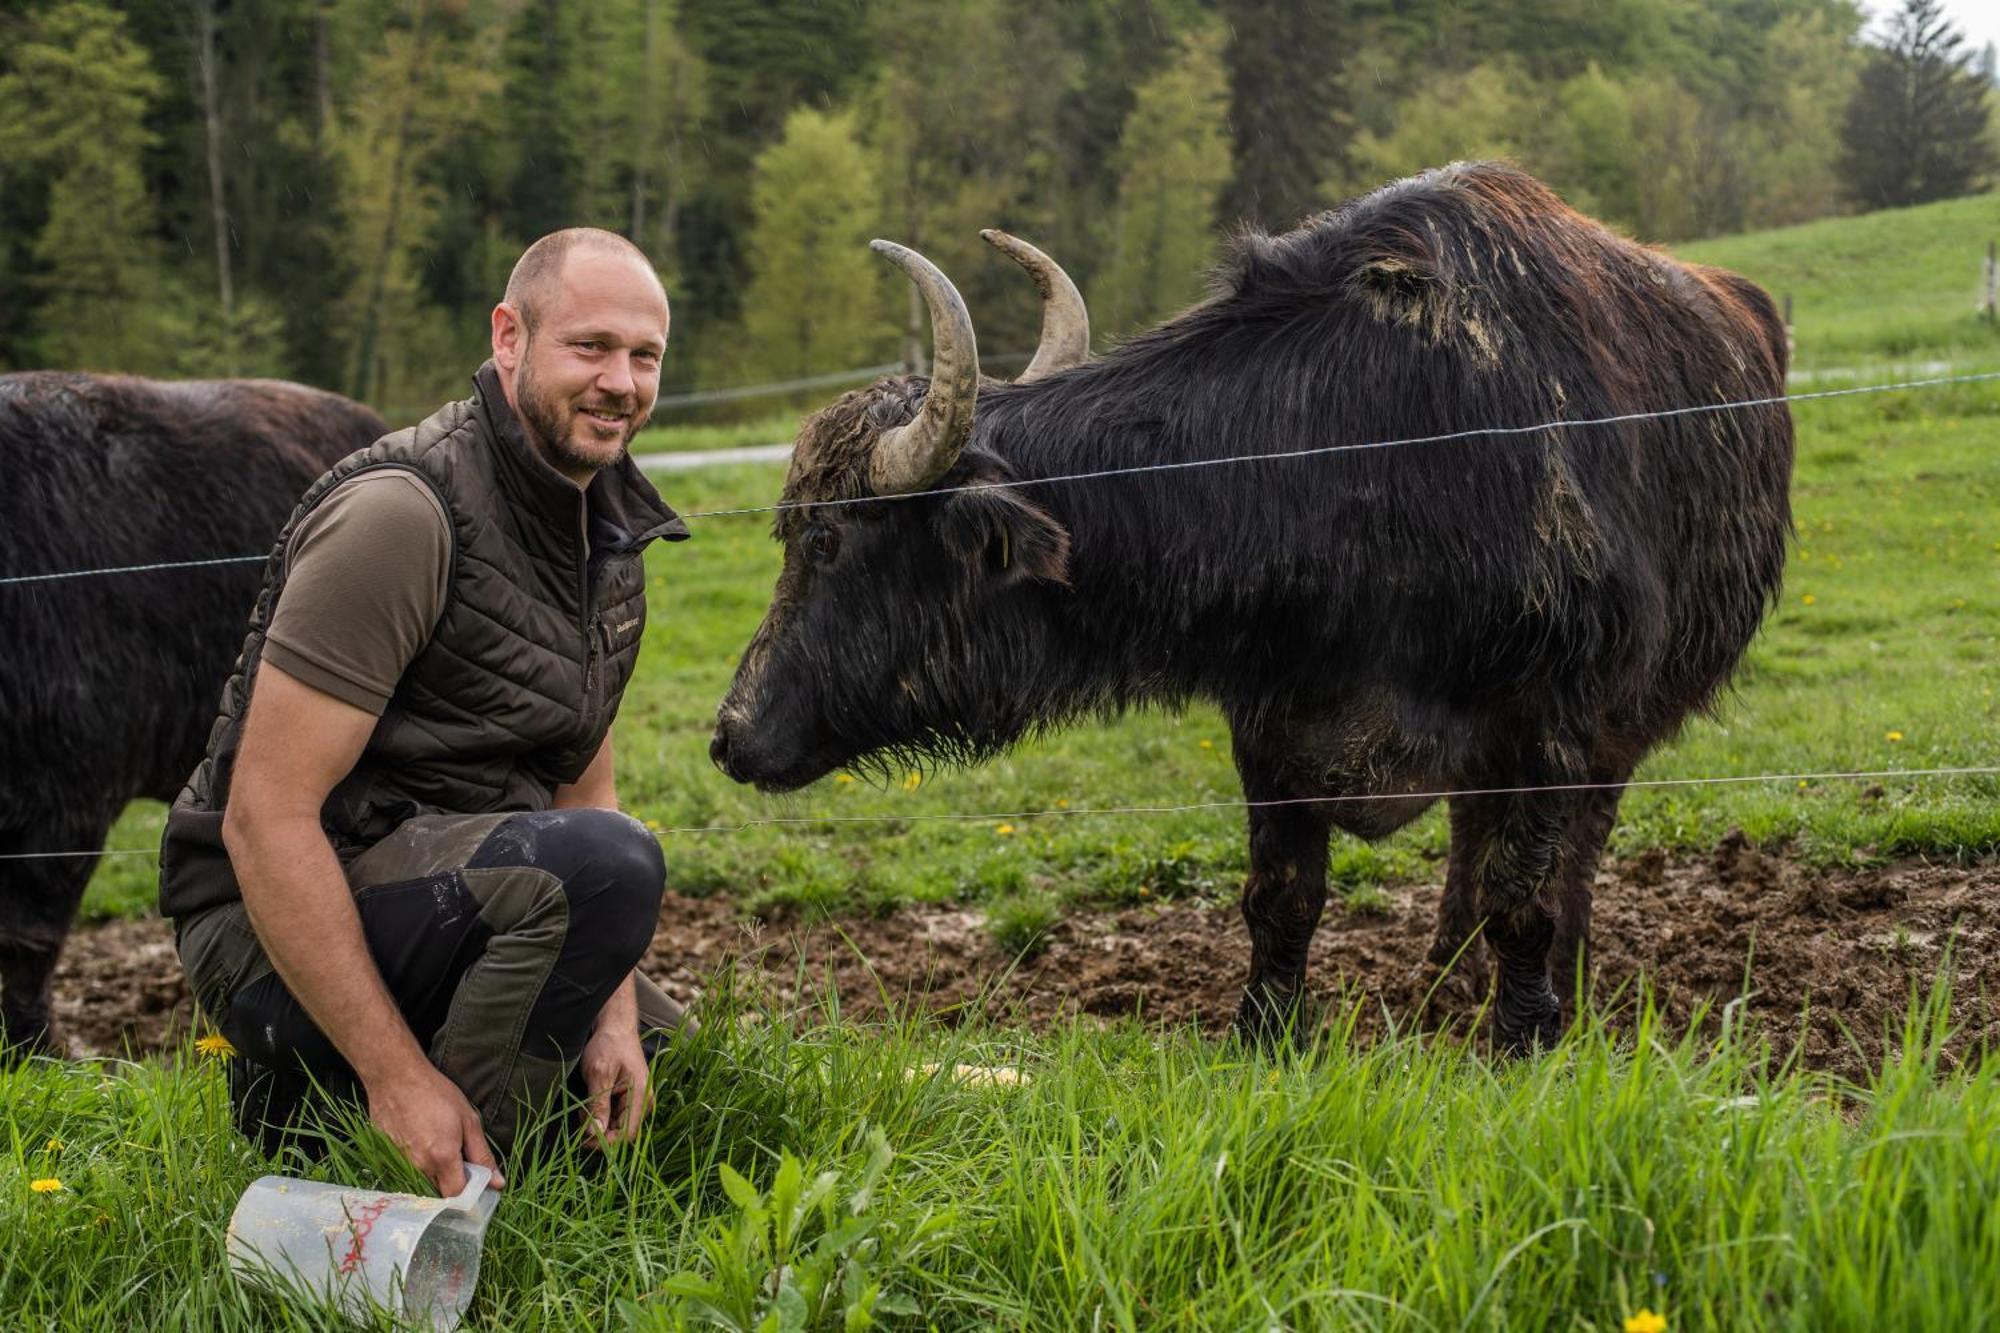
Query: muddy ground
[(1828, 957)]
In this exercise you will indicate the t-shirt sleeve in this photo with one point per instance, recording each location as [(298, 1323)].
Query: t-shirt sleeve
[(366, 576)]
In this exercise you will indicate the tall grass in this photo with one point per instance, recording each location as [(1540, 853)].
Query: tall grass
[(1131, 1181)]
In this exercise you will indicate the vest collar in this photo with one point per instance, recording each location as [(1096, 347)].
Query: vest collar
[(623, 507)]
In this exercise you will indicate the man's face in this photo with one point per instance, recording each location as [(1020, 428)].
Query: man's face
[(585, 379)]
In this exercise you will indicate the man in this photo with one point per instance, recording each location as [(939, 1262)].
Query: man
[(400, 872)]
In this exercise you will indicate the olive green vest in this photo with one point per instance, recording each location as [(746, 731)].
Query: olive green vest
[(515, 690)]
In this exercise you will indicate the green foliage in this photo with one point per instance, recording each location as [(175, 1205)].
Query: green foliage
[(816, 299), (73, 110), (795, 1260), (1020, 924), (1172, 162), (387, 160)]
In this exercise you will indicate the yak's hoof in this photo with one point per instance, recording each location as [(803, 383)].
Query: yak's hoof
[(1525, 1024), (1273, 1019), (25, 1037)]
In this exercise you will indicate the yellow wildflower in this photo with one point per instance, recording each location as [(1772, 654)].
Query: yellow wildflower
[(1206, 744), (1892, 735), (215, 1044), (1062, 802), (653, 824), (1003, 829), (913, 781), (843, 778), (55, 1145), (47, 1185), (1646, 1322), (1809, 599)]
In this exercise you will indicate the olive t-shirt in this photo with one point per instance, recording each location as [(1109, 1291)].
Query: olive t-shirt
[(366, 577)]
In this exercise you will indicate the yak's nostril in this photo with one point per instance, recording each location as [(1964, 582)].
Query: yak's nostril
[(718, 748)]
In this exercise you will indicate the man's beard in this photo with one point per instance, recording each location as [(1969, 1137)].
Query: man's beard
[(551, 420)]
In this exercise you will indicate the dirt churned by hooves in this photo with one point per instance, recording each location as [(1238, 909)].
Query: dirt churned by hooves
[(1828, 958)]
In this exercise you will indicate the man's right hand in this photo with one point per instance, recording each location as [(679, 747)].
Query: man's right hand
[(426, 1116)]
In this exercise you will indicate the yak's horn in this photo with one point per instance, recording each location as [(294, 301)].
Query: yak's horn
[(910, 458), (1065, 318)]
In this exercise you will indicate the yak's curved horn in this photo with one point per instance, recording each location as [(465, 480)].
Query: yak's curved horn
[(909, 458), (1065, 318)]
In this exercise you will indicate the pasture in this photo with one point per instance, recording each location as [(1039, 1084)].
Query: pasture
[(1725, 1163)]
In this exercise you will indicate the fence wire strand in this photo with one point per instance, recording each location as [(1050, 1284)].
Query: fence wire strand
[(1145, 468), (1200, 806)]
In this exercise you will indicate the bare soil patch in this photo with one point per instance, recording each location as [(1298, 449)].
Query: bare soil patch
[(1828, 959)]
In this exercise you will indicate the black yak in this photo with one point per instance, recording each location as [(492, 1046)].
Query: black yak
[(1528, 611), (108, 684)]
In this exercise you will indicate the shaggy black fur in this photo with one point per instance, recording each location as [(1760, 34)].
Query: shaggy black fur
[(108, 685), (1496, 611)]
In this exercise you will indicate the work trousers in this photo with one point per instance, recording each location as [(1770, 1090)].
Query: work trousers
[(500, 938)]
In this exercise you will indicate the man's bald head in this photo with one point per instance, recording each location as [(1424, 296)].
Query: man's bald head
[(540, 266)]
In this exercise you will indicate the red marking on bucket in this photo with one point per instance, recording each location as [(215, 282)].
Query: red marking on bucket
[(359, 1225)]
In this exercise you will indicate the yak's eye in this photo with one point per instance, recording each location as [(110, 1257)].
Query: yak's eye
[(821, 543)]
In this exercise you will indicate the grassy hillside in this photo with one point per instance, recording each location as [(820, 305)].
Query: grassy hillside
[(1896, 285)]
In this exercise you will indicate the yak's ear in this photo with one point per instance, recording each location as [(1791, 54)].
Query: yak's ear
[(998, 532)]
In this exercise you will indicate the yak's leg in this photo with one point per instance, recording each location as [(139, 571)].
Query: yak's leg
[(1457, 945), (1589, 828), (1517, 861), (1282, 901), (37, 905)]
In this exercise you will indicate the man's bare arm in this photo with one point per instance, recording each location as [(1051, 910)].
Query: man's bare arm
[(594, 786), (297, 744)]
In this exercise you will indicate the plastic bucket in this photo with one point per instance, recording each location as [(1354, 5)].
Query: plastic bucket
[(362, 1250)]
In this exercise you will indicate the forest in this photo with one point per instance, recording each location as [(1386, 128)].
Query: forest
[(334, 190)]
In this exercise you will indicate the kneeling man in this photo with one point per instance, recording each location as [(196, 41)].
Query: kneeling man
[(401, 871)]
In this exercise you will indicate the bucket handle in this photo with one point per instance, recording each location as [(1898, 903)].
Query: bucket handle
[(476, 1180)]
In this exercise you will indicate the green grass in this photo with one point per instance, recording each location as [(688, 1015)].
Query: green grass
[(1899, 285), (680, 437), (1132, 1182)]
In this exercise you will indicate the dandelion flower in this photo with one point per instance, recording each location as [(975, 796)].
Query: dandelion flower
[(843, 778), (913, 781), (1062, 802), (46, 1185), (1892, 735), (55, 1145), (1809, 599), (1205, 743), (215, 1044), (1646, 1322), (1003, 829)]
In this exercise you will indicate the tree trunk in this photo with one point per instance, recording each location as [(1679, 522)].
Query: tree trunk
[(649, 102), (218, 207), (378, 285), (322, 72)]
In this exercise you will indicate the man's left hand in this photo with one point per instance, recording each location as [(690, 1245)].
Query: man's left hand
[(615, 1078)]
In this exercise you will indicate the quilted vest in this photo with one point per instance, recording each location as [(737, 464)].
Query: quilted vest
[(515, 690)]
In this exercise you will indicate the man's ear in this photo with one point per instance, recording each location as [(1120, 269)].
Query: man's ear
[(997, 532)]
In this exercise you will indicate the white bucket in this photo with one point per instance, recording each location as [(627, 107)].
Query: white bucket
[(363, 1250)]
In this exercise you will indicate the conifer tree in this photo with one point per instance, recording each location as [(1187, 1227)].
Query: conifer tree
[(73, 110), (1916, 127)]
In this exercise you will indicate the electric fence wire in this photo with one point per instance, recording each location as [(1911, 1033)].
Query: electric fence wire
[(1877, 775), (1146, 468)]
